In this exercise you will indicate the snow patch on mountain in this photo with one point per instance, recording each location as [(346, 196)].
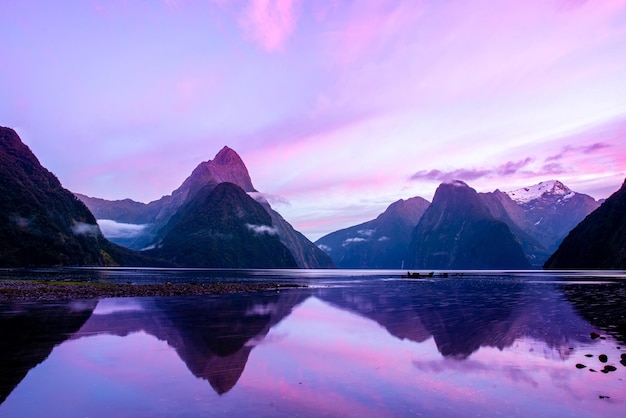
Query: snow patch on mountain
[(530, 193)]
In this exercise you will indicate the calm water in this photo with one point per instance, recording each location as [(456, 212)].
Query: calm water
[(353, 344)]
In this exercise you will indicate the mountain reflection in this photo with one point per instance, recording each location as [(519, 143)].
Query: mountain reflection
[(215, 335), (602, 304), (212, 335), (29, 332), (464, 315)]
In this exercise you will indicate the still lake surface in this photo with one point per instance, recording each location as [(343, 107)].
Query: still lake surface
[(352, 344)]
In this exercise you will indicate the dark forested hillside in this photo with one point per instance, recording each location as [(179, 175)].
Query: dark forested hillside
[(223, 227), (599, 241), (43, 224)]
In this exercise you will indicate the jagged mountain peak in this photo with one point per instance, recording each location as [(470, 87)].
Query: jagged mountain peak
[(227, 156), (536, 191), (226, 167)]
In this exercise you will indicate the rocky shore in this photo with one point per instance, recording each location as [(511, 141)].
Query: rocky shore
[(30, 290)]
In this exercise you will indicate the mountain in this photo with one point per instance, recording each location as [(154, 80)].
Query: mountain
[(381, 243), (227, 166), (599, 241), (147, 224), (505, 209), (223, 227), (538, 216), (43, 224), (457, 231), (552, 209)]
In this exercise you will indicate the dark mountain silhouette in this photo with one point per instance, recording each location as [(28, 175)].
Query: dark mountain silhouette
[(29, 332), (223, 227), (43, 224), (381, 243), (457, 231), (228, 167), (599, 241)]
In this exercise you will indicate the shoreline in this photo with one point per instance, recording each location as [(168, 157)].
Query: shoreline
[(34, 290)]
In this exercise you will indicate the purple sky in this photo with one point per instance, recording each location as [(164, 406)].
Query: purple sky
[(338, 108)]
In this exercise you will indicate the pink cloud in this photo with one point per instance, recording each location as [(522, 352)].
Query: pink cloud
[(506, 169), (584, 149), (269, 23)]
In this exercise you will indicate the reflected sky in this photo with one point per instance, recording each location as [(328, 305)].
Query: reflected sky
[(480, 347)]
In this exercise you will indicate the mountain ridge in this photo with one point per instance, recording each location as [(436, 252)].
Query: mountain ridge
[(458, 232), (226, 167), (599, 241), (380, 243)]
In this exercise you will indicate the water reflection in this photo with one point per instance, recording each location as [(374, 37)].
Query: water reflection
[(377, 347), (212, 335), (29, 332), (463, 315)]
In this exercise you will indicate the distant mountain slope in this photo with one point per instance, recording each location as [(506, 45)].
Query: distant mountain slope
[(504, 209), (154, 217), (223, 227), (599, 241), (43, 224), (381, 243), (552, 209), (457, 231)]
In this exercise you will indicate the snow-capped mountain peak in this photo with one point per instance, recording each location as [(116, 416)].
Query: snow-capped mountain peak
[(530, 193)]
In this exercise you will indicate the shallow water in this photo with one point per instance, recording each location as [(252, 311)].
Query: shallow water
[(355, 343)]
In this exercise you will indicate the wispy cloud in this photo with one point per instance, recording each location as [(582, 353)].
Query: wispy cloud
[(582, 149), (81, 228), (112, 229), (325, 248), (507, 169), (272, 199), (269, 23), (353, 240), (262, 229)]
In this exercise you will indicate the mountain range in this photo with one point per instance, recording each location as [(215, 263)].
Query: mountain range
[(216, 218), (464, 229)]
